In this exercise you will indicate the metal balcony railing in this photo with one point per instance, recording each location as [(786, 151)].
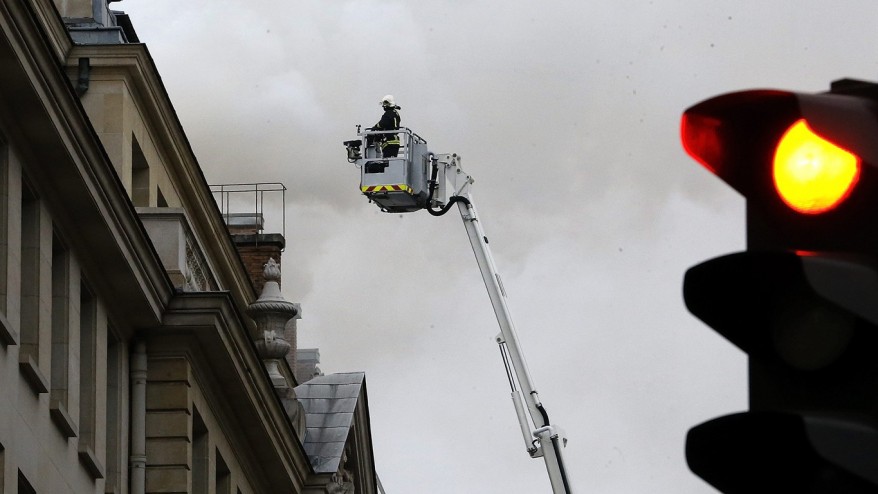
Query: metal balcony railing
[(243, 206)]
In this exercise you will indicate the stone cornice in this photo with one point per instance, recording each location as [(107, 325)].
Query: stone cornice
[(56, 35)]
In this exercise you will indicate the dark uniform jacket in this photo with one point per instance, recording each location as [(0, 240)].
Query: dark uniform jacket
[(389, 121)]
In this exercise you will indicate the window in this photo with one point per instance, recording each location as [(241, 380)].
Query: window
[(65, 308), (36, 290), (223, 476), (88, 382), (30, 273), (4, 223), (87, 364), (24, 486), (139, 175), (115, 411), (8, 336), (200, 455), (160, 198)]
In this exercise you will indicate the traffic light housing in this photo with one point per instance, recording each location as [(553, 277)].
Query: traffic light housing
[(802, 300)]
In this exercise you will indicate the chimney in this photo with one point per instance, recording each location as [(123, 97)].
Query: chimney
[(254, 247), (307, 364)]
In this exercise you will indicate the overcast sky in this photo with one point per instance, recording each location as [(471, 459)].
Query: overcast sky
[(567, 115)]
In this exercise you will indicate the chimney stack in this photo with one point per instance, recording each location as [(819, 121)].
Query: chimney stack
[(254, 247)]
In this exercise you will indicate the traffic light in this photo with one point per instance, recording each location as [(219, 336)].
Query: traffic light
[(802, 300)]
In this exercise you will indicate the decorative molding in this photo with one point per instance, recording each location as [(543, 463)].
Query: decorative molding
[(199, 278)]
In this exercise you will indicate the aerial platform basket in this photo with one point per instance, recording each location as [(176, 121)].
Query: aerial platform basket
[(397, 184)]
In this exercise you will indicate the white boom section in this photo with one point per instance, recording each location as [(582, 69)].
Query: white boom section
[(548, 442)]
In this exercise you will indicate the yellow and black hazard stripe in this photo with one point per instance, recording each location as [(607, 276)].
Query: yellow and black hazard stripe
[(369, 189)]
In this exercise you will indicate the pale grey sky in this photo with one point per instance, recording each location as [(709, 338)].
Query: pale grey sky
[(567, 115)]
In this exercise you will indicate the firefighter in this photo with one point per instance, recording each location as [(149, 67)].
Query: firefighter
[(389, 121)]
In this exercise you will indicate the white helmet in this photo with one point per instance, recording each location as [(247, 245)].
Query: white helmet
[(388, 101)]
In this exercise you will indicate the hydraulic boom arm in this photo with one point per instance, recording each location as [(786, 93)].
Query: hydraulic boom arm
[(544, 439)]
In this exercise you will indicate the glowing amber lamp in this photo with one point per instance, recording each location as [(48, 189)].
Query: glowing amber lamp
[(811, 174)]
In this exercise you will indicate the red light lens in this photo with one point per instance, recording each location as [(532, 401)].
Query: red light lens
[(811, 174)]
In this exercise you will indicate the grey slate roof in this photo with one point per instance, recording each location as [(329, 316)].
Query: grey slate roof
[(329, 402)]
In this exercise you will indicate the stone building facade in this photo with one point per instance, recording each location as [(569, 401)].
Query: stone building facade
[(130, 361)]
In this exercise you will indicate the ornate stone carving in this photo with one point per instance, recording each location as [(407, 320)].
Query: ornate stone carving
[(271, 313), (342, 481)]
